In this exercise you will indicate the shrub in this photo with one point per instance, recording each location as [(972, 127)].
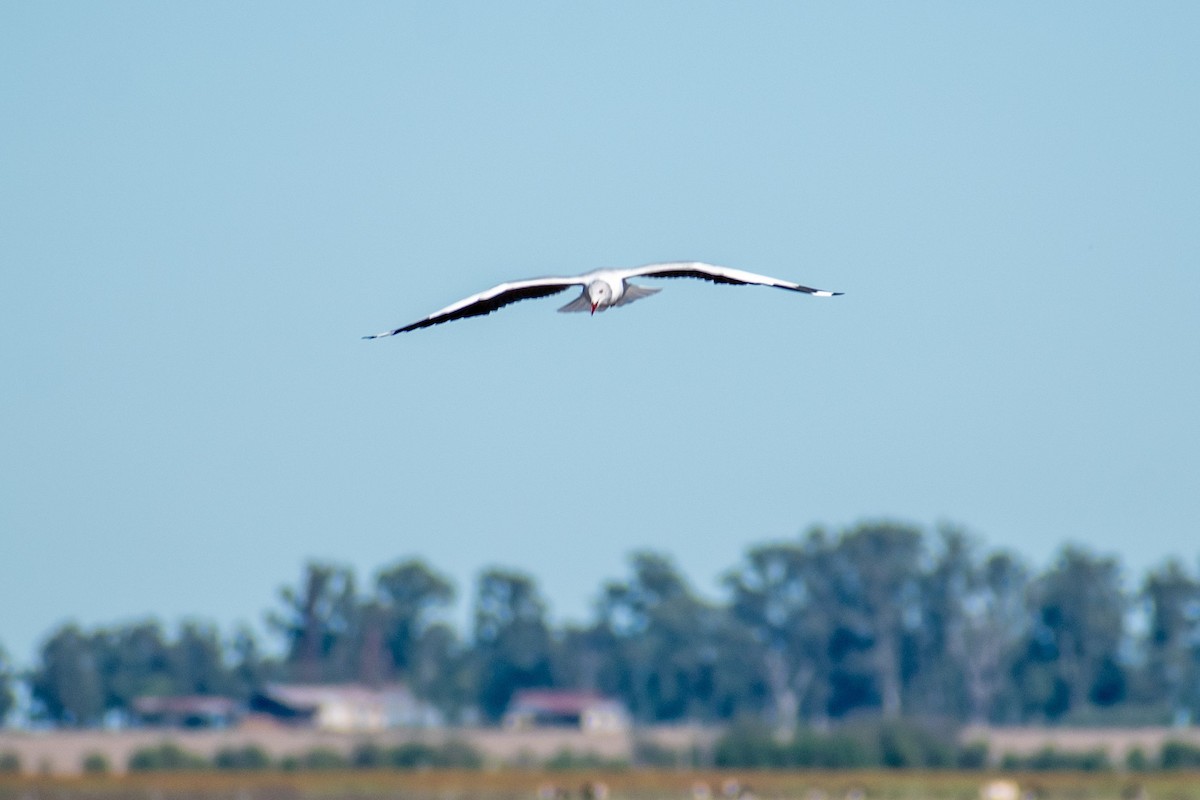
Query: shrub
[(323, 758), (412, 755), (1094, 761), (368, 755), (894, 745), (95, 764), (648, 753), (1011, 762), (418, 755), (972, 755), (749, 745), (10, 763), (908, 745), (569, 760), (459, 754), (249, 757), (1136, 760), (1050, 759), (899, 749), (165, 757), (842, 750), (1179, 755)]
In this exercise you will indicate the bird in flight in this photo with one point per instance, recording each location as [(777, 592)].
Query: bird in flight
[(602, 289)]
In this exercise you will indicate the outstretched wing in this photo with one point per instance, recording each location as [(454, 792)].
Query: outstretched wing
[(711, 272), (488, 301)]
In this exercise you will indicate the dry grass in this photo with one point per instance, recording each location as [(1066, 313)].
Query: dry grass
[(623, 785)]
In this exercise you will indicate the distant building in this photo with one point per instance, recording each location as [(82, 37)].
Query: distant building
[(344, 707), (587, 711), (186, 711)]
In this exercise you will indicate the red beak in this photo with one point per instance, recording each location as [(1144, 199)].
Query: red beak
[(593, 309)]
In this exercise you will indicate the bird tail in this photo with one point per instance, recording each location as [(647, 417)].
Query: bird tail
[(581, 303), (633, 292)]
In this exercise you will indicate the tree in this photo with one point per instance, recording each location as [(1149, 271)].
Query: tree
[(196, 661), (445, 673), (995, 619), (782, 595), (876, 574), (973, 618), (583, 658), (935, 663), (66, 682), (249, 670), (133, 660), (82, 675), (321, 624), (6, 681), (671, 647), (512, 638), (410, 596), (1173, 640), (1072, 656)]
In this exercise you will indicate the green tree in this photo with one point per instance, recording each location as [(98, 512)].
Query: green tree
[(513, 646), (1173, 640), (935, 665), (411, 599), (133, 660), (446, 673), (320, 622), (66, 682), (876, 570), (81, 675), (672, 648), (196, 661), (783, 595), (583, 658), (7, 676), (995, 622), (1072, 656), (973, 620), (250, 670)]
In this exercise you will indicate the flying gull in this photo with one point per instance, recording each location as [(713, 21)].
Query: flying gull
[(602, 288)]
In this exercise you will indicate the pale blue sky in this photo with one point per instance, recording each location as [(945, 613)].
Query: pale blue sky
[(204, 205)]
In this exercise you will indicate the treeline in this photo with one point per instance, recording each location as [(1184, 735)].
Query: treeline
[(881, 620)]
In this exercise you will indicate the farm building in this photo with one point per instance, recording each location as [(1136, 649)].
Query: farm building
[(186, 711), (344, 707), (586, 711)]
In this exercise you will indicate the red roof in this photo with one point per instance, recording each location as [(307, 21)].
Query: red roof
[(556, 701)]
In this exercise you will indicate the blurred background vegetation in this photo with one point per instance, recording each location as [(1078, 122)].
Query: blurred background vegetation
[(881, 622)]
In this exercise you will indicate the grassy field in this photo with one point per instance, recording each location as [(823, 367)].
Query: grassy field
[(631, 784)]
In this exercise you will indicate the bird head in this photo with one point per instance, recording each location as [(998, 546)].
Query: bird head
[(599, 295)]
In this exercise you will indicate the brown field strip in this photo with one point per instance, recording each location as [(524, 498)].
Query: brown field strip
[(634, 784)]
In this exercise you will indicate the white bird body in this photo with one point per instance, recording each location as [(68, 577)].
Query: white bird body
[(602, 289), (612, 277)]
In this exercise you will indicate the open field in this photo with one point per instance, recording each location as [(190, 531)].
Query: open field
[(631, 784)]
